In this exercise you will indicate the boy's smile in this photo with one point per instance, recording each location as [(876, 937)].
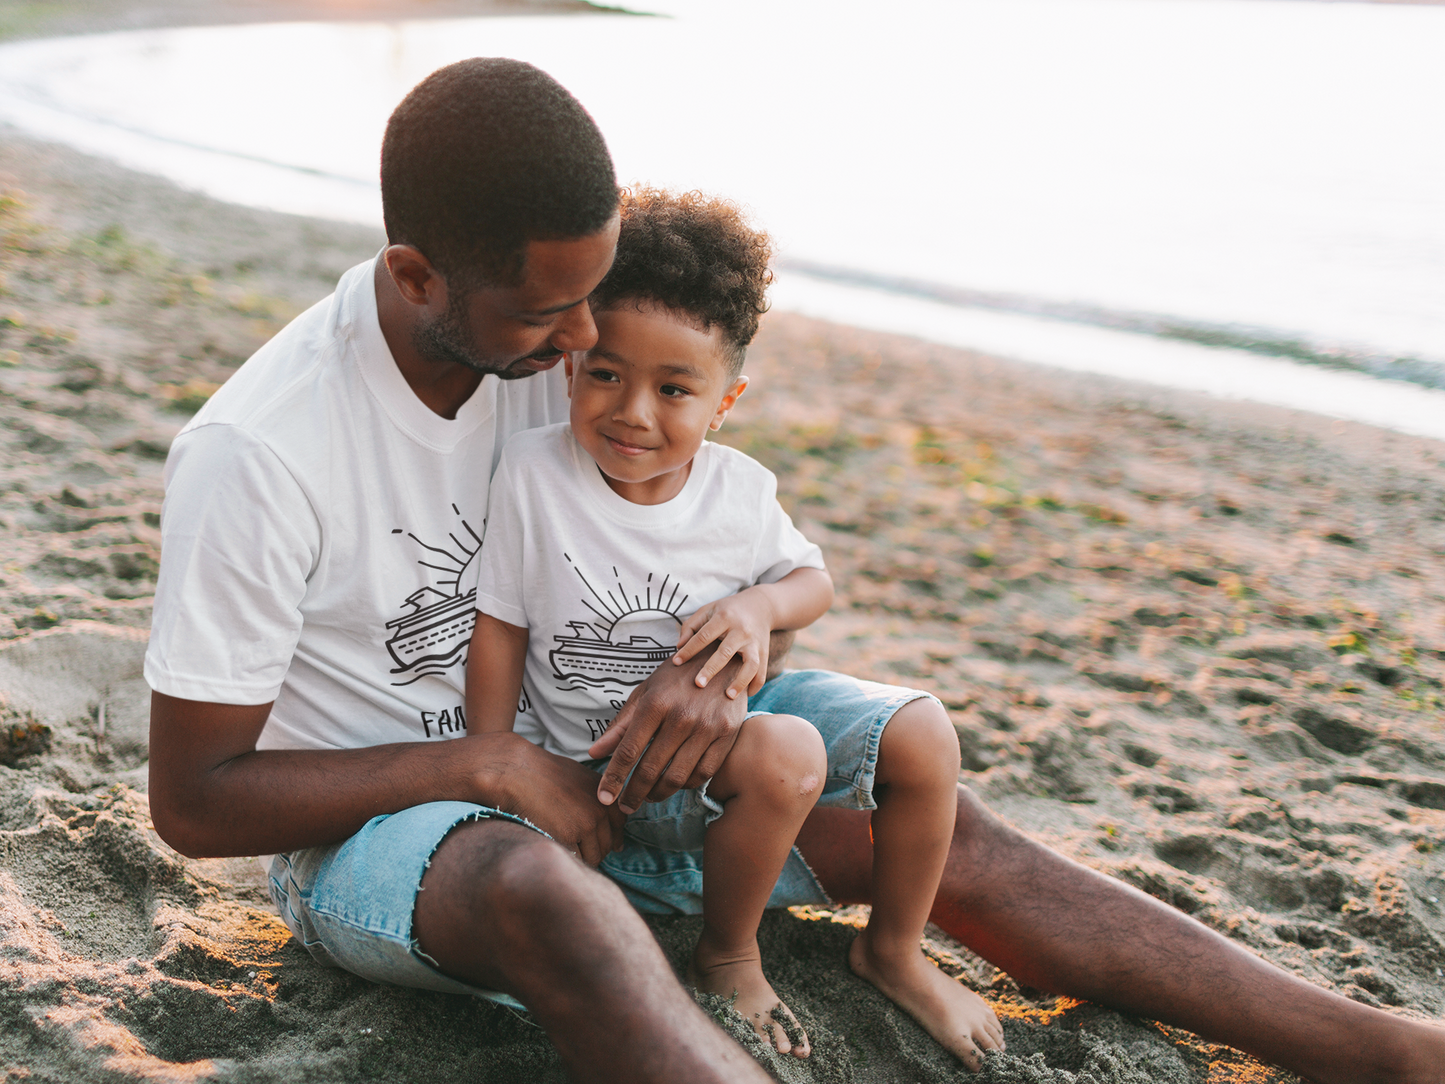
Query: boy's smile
[(645, 396)]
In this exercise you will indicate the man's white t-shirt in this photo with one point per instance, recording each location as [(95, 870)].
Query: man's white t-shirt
[(318, 528), (604, 584)]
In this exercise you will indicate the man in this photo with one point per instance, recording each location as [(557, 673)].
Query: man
[(310, 628)]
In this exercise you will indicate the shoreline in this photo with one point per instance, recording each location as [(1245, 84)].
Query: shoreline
[(1193, 643), (1200, 353), (22, 20)]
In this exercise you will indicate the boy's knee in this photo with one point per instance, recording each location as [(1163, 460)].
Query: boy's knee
[(920, 745), (786, 753)]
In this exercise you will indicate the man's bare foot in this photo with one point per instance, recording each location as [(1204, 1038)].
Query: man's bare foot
[(741, 978), (949, 1011)]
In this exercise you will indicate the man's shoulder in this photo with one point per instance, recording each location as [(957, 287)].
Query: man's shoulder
[(281, 378)]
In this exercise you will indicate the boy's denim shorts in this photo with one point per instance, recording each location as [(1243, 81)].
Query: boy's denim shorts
[(350, 904)]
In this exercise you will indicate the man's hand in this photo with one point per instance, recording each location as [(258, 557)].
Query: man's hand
[(675, 733), (559, 796)]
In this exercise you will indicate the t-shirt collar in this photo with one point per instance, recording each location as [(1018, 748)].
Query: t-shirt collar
[(620, 508), (383, 377)]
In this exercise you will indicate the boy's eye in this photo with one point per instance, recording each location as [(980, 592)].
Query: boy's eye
[(606, 376), (672, 391)]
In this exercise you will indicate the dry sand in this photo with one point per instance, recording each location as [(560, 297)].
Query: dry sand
[(1197, 645)]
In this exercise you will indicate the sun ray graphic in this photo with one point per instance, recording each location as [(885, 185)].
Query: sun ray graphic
[(633, 632), (613, 608), (456, 558)]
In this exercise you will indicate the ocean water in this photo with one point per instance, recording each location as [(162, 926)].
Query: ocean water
[(1166, 176)]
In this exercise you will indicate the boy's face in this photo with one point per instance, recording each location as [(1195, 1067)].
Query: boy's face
[(645, 396)]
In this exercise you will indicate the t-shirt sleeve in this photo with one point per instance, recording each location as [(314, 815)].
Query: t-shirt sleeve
[(500, 568), (239, 538), (781, 546)]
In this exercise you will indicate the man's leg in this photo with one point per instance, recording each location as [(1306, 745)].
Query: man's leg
[(504, 908), (1053, 924)]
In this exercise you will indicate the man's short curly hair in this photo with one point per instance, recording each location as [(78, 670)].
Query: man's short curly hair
[(484, 156), (695, 255)]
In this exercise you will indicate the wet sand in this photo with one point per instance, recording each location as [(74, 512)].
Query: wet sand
[(1197, 645)]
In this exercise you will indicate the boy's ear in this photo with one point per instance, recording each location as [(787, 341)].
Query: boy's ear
[(731, 397), (567, 371)]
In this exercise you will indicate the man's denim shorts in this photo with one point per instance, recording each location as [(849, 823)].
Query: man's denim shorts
[(350, 904)]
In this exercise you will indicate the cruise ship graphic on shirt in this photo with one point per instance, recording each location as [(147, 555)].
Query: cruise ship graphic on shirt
[(429, 639), (589, 657), (435, 628)]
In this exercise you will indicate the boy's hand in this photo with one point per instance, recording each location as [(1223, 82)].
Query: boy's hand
[(743, 623), (676, 735)]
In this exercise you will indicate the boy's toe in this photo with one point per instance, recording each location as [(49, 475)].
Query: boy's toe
[(792, 1032), (774, 1036)]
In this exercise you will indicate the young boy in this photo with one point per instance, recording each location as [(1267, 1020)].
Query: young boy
[(623, 541)]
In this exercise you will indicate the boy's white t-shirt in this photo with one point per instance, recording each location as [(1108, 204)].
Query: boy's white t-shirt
[(604, 584), (318, 530)]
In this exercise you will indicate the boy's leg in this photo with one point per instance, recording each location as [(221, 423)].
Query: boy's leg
[(914, 787), (1059, 926), (505, 908), (767, 786)]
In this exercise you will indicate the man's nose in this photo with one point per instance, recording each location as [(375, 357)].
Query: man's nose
[(576, 330)]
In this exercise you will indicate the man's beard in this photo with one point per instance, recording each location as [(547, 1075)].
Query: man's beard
[(449, 338)]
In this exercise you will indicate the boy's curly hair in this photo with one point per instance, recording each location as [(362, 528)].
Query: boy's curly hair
[(695, 255)]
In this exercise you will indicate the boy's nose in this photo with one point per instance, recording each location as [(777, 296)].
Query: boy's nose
[(631, 410)]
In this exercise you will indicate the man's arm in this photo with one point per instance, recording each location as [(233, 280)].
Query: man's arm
[(213, 794), (779, 644)]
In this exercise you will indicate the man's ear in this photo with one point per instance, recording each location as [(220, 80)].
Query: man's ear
[(416, 279), (739, 386)]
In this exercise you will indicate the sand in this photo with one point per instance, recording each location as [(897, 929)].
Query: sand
[(1197, 645)]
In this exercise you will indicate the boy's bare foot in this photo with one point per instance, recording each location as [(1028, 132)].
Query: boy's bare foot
[(949, 1011), (755, 999)]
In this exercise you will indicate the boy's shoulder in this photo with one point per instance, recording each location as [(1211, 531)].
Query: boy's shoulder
[(739, 464), (533, 448), (737, 479)]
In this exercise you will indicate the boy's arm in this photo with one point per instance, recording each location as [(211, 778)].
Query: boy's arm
[(495, 660), (743, 623)]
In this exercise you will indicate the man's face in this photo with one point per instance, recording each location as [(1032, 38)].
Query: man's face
[(515, 331)]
